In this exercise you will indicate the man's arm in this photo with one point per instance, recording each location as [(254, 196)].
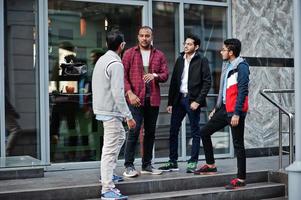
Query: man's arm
[(243, 87), (116, 73), (206, 77), (171, 91), (162, 75), (126, 60)]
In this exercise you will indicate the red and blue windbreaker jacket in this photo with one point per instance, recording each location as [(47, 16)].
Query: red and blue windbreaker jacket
[(237, 88)]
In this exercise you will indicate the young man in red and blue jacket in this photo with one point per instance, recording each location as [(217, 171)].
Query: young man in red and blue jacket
[(231, 109)]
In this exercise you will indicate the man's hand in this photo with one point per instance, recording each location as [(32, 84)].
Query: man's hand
[(148, 77), (134, 100), (211, 114), (131, 123), (194, 105), (234, 120), (169, 109)]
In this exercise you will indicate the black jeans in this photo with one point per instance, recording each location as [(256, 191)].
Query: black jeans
[(150, 115), (178, 114), (218, 121)]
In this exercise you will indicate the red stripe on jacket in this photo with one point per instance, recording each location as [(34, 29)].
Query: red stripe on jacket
[(232, 93)]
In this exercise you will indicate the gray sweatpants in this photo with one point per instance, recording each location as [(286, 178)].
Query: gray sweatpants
[(114, 137)]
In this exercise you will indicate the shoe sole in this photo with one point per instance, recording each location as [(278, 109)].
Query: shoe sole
[(115, 181), (170, 170), (130, 176), (189, 171), (151, 173), (123, 198), (234, 188), (205, 173)]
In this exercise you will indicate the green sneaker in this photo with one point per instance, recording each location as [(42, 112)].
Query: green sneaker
[(191, 167), (169, 167)]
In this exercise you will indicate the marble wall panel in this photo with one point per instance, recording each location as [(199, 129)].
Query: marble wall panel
[(262, 119), (264, 27)]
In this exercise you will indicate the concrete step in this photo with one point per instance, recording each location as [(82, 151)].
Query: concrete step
[(278, 198), (140, 185), (21, 173), (185, 183), (252, 191)]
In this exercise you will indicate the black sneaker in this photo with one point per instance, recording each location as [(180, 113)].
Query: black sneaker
[(205, 169), (169, 167), (235, 184), (151, 170)]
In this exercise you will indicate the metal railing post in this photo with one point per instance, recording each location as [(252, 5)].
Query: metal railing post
[(280, 139), (290, 115), (291, 138)]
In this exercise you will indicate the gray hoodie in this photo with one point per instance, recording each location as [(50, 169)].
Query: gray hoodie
[(108, 87)]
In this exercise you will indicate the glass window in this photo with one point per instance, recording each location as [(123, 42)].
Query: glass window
[(166, 38), (218, 0), (77, 33), (21, 82), (210, 24)]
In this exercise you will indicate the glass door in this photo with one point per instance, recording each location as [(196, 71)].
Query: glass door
[(76, 37), (20, 135), (210, 23)]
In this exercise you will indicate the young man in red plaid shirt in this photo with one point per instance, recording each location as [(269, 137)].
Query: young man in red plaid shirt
[(144, 68)]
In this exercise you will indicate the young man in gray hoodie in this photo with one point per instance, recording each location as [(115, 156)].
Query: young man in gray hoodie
[(110, 107)]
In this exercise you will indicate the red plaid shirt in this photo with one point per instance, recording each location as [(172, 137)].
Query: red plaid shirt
[(133, 73)]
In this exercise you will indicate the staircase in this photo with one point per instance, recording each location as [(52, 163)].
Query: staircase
[(260, 185)]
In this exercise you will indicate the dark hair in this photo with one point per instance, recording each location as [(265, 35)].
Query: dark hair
[(98, 52), (67, 46), (145, 27), (114, 39), (195, 38), (234, 45)]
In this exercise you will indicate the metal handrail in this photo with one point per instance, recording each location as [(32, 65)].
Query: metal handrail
[(290, 115), (208, 95)]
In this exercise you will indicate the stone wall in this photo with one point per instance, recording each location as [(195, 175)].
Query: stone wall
[(265, 29)]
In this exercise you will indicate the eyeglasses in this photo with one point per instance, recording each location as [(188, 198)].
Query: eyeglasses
[(222, 50), (188, 44)]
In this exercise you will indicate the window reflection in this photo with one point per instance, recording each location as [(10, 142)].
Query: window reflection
[(210, 24), (77, 33), (166, 38), (21, 81)]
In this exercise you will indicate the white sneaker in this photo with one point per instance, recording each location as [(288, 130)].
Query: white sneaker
[(130, 172)]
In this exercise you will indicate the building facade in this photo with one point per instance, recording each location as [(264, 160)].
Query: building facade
[(46, 108)]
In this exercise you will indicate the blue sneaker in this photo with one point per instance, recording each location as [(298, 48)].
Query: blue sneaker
[(115, 179), (113, 194)]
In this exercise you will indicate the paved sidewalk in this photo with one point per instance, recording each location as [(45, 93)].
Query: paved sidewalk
[(91, 176)]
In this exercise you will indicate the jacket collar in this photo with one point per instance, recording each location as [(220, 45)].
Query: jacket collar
[(114, 55), (196, 54), (234, 63), (237, 61)]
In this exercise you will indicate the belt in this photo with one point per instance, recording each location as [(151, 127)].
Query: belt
[(184, 94)]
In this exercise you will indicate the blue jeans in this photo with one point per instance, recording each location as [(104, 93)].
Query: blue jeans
[(149, 115), (178, 114)]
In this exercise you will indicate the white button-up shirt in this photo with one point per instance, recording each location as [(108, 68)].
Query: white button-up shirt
[(184, 80)]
